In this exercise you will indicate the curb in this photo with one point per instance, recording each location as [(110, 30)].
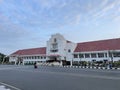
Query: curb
[(103, 68)]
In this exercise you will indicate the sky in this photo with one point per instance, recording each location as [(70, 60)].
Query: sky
[(30, 23)]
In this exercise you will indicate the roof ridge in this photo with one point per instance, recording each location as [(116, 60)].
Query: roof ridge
[(32, 48), (108, 44), (41, 50), (98, 40)]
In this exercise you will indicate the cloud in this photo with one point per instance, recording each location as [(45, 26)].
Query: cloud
[(46, 4), (76, 20), (107, 10), (10, 33), (1, 1), (62, 5), (20, 18), (49, 13), (109, 7), (117, 18)]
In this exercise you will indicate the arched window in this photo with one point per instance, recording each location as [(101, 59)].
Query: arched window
[(55, 40)]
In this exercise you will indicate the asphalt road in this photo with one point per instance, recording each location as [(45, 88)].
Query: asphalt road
[(58, 78)]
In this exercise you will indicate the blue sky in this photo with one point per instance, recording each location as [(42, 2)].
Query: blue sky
[(30, 23)]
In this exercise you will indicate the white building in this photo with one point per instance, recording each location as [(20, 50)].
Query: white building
[(60, 51)]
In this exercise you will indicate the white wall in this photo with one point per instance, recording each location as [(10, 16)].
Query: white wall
[(61, 46), (12, 59), (70, 46)]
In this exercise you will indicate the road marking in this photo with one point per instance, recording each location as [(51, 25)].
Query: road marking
[(3, 88), (8, 68), (10, 86)]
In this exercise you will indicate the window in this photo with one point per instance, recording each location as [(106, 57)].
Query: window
[(35, 57), (55, 40), (54, 50), (41, 57), (75, 55), (105, 54), (38, 57), (55, 46), (93, 55), (32, 57), (100, 55), (116, 54), (69, 50), (27, 57), (87, 55), (81, 56), (44, 57), (65, 58)]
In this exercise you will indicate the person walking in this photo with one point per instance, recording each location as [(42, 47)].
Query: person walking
[(35, 65)]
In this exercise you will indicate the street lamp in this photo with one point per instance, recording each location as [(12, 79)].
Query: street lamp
[(80, 62), (111, 56), (72, 59)]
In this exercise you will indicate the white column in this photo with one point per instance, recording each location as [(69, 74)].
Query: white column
[(61, 63), (23, 62), (15, 62), (71, 63), (96, 55)]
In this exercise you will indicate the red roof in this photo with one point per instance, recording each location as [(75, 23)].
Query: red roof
[(111, 44), (32, 51)]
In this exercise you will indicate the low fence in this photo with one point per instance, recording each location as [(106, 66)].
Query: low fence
[(83, 67)]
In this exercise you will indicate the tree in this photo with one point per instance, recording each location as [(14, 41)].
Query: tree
[(1, 57)]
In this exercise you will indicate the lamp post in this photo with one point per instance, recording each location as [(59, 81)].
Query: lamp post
[(72, 60), (111, 57), (80, 56)]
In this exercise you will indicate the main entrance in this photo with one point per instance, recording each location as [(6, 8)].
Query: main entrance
[(52, 58), (56, 59)]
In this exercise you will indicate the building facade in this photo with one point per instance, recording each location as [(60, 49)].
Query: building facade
[(60, 51)]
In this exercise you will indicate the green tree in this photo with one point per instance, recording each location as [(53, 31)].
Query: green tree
[(1, 57)]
